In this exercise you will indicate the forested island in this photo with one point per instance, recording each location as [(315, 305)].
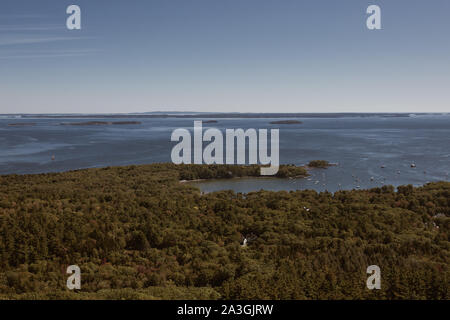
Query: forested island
[(137, 233)]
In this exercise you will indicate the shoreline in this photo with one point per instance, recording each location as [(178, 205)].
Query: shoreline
[(172, 166), (243, 177)]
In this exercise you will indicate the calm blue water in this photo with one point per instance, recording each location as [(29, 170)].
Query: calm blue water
[(360, 146)]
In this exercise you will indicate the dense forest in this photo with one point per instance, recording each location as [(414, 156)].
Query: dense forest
[(136, 232), (214, 171)]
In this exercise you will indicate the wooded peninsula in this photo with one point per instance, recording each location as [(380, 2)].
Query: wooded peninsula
[(136, 232)]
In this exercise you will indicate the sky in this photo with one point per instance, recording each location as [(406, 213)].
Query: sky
[(224, 56)]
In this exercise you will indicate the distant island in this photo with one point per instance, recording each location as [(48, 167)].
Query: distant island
[(99, 123), (286, 122), (20, 124)]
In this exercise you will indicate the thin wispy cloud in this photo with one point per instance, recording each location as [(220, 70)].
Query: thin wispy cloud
[(46, 55), (30, 28), (36, 40), (20, 38), (22, 16)]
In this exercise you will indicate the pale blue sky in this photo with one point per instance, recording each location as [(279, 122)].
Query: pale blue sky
[(224, 55)]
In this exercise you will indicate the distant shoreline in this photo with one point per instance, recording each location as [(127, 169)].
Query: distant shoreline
[(200, 115)]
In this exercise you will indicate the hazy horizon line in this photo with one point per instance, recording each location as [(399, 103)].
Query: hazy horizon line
[(221, 112)]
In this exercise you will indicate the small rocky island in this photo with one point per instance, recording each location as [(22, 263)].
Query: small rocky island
[(286, 122)]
